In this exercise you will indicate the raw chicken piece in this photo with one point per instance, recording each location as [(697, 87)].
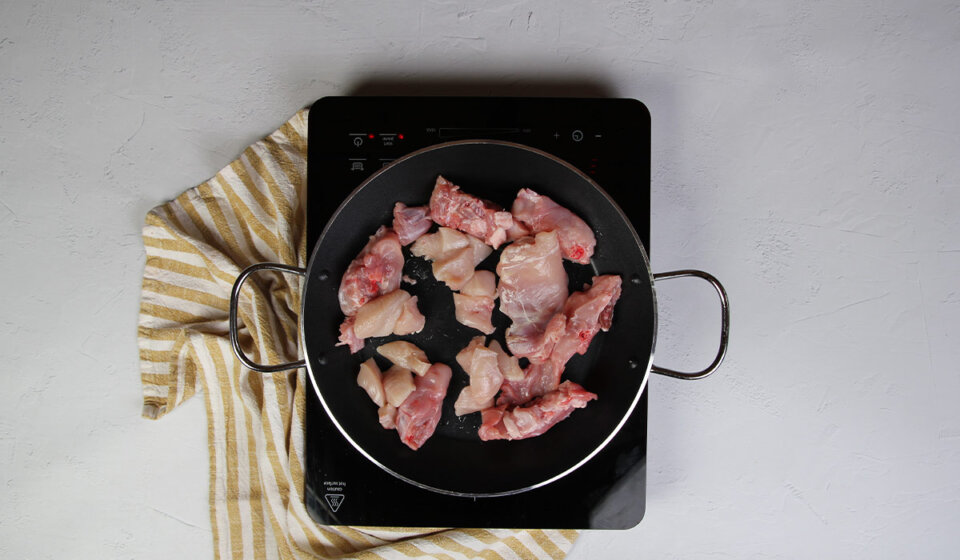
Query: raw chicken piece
[(533, 288), (536, 418), (482, 283), (473, 306), (348, 337), (582, 318), (388, 416), (419, 414), (454, 255), (405, 354), (540, 213), (410, 222), (474, 312), (393, 313), (374, 272), (485, 378), (371, 380), (538, 379), (411, 320), (397, 384), (451, 207), (517, 231), (509, 365), (587, 312), (455, 268)]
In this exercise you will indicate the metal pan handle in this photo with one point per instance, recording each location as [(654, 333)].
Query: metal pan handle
[(234, 302), (724, 324)]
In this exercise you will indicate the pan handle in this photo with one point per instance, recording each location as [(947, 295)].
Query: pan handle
[(234, 302), (724, 324)]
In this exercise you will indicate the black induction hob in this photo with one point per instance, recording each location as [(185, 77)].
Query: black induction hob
[(352, 137)]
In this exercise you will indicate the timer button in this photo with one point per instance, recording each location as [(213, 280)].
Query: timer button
[(577, 135)]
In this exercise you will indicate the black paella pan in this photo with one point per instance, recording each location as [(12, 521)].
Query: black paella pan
[(455, 461)]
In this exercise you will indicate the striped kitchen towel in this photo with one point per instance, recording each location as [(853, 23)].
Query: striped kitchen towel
[(196, 245)]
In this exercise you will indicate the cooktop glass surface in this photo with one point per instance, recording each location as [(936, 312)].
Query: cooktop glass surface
[(352, 137)]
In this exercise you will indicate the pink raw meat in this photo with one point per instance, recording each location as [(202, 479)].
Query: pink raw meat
[(419, 414), (453, 208), (410, 222), (392, 313), (533, 288), (540, 213), (482, 365), (536, 418), (375, 271), (584, 314)]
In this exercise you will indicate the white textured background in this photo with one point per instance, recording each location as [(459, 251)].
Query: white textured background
[(806, 154)]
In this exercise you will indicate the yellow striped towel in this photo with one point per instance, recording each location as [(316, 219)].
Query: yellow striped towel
[(196, 245)]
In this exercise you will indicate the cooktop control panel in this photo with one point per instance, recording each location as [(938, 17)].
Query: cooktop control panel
[(351, 138)]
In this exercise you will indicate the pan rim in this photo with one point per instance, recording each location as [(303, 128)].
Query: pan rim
[(359, 448)]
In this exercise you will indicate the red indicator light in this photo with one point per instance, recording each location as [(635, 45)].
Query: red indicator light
[(400, 136), (370, 136)]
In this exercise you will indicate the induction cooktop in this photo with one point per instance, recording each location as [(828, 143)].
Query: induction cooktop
[(352, 137)]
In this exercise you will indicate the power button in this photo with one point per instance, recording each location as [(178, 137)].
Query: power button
[(577, 135)]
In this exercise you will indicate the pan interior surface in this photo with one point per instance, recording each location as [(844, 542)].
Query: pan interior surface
[(454, 460)]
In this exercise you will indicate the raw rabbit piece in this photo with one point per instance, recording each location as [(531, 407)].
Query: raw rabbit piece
[(532, 289), (454, 255), (375, 271), (405, 354), (453, 208), (536, 418), (583, 316), (411, 320), (485, 378), (419, 414), (482, 283), (540, 213), (509, 365), (388, 416), (587, 313), (410, 222), (397, 384), (371, 380), (393, 313), (474, 312)]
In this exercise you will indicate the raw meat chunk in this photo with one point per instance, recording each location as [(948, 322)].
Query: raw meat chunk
[(405, 354), (348, 337), (375, 271), (454, 255), (538, 379), (517, 231), (474, 304), (533, 288), (371, 380), (509, 365), (455, 268), (393, 313), (388, 416), (485, 378), (536, 418), (410, 222), (418, 416), (411, 320), (474, 312), (587, 312), (581, 319), (451, 207), (482, 283), (397, 384), (540, 213)]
